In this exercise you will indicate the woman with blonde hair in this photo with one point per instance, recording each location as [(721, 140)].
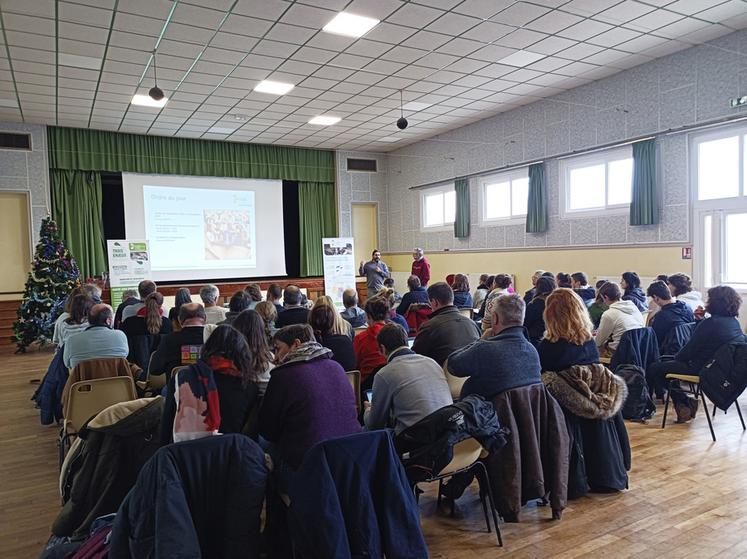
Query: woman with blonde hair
[(388, 295), (269, 314), (339, 325), (568, 338)]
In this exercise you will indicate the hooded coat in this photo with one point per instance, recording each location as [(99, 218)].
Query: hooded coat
[(591, 398), (637, 297), (620, 317), (669, 317)]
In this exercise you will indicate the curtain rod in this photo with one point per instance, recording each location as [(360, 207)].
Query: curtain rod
[(610, 145)]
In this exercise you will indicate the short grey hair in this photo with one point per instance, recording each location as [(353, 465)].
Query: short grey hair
[(127, 293), (418, 250), (509, 309), (209, 294)]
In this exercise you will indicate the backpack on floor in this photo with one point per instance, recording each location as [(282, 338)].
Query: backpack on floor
[(638, 406), (724, 378)]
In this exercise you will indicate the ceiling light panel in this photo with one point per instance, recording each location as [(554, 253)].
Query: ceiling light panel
[(273, 88), (350, 25), (147, 101), (325, 120)]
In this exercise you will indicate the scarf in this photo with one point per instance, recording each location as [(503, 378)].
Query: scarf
[(222, 365), (305, 352), (197, 403)]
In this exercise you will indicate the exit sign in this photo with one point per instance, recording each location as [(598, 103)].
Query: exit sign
[(738, 101)]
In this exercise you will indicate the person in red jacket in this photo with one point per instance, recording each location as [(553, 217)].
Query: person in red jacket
[(367, 355), (420, 267)]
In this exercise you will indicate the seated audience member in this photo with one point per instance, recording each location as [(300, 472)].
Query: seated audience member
[(408, 388), (98, 341), (129, 297), (597, 307), (367, 357), (506, 360), (582, 288), (255, 293), (653, 307), (529, 295), (355, 315), (252, 327), (389, 284), (275, 296), (339, 324), (76, 321), (722, 327), (568, 336), (294, 312), (309, 399), (215, 313), (145, 330), (239, 302), (225, 367), (482, 290), (501, 283), (92, 291), (388, 295), (462, 296), (180, 347), (534, 321), (563, 280), (182, 296), (269, 314), (447, 330), (671, 312), (682, 288), (416, 294), (144, 288), (619, 317), (631, 286), (322, 321)]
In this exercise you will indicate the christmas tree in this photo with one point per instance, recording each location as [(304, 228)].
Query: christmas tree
[(53, 275)]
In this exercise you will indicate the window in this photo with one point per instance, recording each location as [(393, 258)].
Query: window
[(438, 206), (504, 196), (719, 164), (598, 183)]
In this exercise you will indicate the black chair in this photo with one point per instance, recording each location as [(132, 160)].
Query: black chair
[(637, 347)]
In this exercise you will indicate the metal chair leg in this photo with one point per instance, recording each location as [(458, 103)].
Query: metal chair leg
[(708, 416), (666, 408), (483, 499), (739, 412), (440, 486), (491, 502), (714, 410)]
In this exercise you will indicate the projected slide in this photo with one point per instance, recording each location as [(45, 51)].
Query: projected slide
[(214, 228), (207, 227)]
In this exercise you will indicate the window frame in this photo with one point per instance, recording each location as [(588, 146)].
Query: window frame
[(604, 157), (507, 176), (719, 133), (439, 189)]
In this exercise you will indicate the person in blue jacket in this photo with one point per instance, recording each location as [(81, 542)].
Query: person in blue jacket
[(672, 312)]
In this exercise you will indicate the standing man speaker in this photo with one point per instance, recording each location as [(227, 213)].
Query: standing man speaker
[(420, 266), (375, 271)]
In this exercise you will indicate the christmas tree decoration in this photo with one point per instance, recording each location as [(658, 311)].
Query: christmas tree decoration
[(54, 274)]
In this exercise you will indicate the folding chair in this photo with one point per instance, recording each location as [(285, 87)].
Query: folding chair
[(466, 458), (469, 313), (693, 383), (88, 398), (354, 377), (455, 383)]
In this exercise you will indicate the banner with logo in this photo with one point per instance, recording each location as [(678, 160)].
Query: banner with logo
[(129, 264), (339, 267)]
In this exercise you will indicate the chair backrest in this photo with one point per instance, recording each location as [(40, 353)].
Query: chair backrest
[(89, 397), (455, 383), (637, 347), (645, 315), (354, 377), (465, 453), (469, 313)]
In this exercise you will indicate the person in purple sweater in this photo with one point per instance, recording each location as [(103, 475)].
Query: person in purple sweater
[(308, 399)]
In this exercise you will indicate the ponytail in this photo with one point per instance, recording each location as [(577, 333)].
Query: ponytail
[(153, 304)]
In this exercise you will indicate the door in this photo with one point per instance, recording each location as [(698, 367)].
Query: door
[(365, 231), (15, 249)]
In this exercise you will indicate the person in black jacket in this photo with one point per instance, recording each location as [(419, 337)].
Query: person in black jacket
[(672, 313), (182, 347), (322, 321), (294, 312), (226, 353), (145, 329), (533, 320), (568, 340), (709, 335), (631, 286), (581, 286)]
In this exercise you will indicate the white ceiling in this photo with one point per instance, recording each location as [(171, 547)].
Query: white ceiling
[(79, 62)]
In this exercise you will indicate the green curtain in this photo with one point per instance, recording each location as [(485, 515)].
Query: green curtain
[(462, 218), (76, 207), (644, 205), (537, 201), (317, 219), (97, 150)]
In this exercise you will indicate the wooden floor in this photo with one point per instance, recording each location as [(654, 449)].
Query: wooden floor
[(687, 497)]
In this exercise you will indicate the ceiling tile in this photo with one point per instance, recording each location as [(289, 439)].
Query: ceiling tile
[(460, 47), (488, 31), (414, 15), (519, 14), (624, 12), (453, 24), (614, 37), (585, 29), (553, 22)]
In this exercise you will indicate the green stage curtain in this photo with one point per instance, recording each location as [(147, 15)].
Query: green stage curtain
[(644, 205), (462, 218), (76, 207), (317, 219), (537, 203), (97, 150)]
